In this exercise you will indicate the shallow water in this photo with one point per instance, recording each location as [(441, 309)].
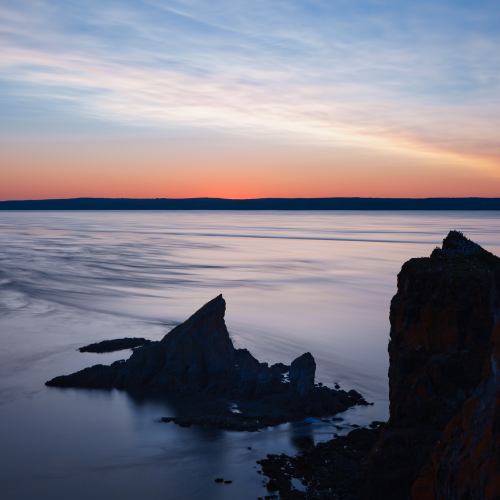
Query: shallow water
[(293, 282)]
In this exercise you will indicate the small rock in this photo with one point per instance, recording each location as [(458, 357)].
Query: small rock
[(272, 485), (219, 480), (227, 482), (116, 345), (302, 372)]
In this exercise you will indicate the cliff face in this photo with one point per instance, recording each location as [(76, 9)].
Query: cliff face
[(466, 463), (441, 324)]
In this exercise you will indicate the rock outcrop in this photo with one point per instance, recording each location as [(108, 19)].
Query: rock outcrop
[(115, 345), (466, 463), (193, 355), (301, 374), (441, 325), (198, 357)]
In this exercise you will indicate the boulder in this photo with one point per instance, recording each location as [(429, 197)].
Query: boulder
[(302, 371)]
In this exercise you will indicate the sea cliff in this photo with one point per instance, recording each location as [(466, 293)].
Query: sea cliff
[(441, 440)]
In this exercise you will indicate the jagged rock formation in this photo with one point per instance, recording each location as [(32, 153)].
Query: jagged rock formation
[(198, 357), (441, 324)]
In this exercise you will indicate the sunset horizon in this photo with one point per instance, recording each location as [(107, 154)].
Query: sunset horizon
[(241, 100), (250, 249)]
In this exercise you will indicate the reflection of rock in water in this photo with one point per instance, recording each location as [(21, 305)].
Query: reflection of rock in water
[(198, 357)]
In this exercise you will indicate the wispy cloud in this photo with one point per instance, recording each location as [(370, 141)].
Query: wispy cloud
[(372, 75)]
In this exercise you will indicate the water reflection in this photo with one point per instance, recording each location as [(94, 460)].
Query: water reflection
[(293, 282)]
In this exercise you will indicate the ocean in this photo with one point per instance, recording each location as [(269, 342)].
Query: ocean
[(293, 282)]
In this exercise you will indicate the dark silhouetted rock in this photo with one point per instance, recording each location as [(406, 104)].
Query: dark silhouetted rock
[(193, 355), (302, 371), (363, 438), (252, 417), (198, 357), (95, 377), (280, 367), (441, 324), (495, 297), (329, 469), (466, 462), (115, 345)]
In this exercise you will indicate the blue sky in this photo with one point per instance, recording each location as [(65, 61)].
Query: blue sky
[(392, 75)]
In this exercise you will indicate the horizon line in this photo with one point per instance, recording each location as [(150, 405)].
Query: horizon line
[(258, 199), (285, 204)]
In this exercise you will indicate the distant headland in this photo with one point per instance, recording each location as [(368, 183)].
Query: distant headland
[(255, 204)]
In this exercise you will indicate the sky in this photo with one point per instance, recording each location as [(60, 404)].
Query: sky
[(249, 99)]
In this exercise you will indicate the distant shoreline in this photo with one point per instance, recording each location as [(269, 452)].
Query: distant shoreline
[(288, 204)]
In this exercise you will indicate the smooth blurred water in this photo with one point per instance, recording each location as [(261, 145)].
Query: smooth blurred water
[(293, 282)]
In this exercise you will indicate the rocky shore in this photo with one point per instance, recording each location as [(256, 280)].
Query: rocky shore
[(328, 470)]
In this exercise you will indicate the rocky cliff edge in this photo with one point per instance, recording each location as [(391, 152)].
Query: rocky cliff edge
[(441, 330)]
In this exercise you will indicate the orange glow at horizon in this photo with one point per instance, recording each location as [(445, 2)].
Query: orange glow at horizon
[(189, 168)]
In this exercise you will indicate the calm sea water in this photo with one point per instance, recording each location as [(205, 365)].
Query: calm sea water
[(293, 282)]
